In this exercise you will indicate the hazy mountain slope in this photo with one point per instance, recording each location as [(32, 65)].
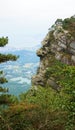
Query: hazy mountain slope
[(19, 73)]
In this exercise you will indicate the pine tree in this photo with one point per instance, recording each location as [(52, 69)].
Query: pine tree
[(4, 98)]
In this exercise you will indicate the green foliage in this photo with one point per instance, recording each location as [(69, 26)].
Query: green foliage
[(3, 89), (3, 124), (60, 30), (3, 80), (65, 78), (3, 41), (38, 110), (8, 57), (69, 24), (45, 94), (58, 21), (1, 72), (5, 98)]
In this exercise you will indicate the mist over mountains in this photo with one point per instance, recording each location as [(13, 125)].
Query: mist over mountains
[(19, 73), (11, 49)]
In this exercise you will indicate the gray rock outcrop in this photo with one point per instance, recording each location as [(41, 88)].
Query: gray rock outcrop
[(58, 44)]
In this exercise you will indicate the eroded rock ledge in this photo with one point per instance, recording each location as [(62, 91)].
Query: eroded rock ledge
[(58, 44)]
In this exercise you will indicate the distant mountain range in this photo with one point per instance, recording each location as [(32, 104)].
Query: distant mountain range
[(19, 73), (10, 49)]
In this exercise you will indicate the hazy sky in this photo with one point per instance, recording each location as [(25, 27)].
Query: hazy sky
[(26, 22)]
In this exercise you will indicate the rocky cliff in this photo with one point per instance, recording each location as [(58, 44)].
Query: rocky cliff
[(58, 45)]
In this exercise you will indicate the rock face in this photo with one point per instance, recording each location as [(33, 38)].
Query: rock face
[(59, 44)]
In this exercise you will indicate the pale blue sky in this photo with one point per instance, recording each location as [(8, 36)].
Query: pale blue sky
[(26, 22)]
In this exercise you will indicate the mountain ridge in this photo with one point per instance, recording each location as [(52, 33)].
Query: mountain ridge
[(12, 49)]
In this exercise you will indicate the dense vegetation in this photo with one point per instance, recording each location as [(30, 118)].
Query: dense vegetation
[(41, 108), (45, 108), (68, 24)]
